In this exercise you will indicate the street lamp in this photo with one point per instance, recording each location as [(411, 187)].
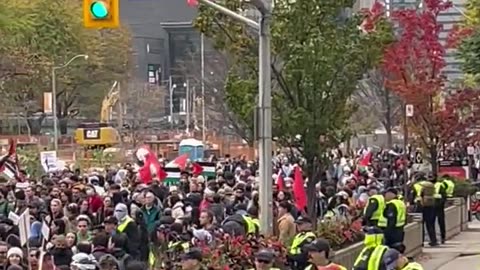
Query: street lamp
[(54, 94), (172, 87)]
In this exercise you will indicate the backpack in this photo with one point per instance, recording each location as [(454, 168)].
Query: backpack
[(428, 191)]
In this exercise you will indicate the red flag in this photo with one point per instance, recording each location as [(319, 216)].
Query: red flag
[(197, 169), (192, 3), (180, 162), (299, 190), (161, 174), (151, 167), (365, 159), (280, 182)]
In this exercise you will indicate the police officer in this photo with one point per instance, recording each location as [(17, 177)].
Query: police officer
[(264, 260), (416, 198), (371, 258), (440, 199), (318, 254), (297, 257), (374, 208), (373, 239), (393, 220), (428, 209), (251, 219), (449, 185)]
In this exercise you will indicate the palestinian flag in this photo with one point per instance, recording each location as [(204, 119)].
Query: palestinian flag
[(209, 169), (9, 163), (173, 176), (179, 162)]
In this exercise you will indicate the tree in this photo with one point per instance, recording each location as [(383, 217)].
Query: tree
[(373, 98), (414, 64), (219, 116), (59, 35), (319, 56), (141, 102), (466, 38)]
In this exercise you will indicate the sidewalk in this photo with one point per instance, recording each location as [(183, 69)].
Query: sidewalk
[(460, 251)]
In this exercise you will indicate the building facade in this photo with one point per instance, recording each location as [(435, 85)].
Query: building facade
[(163, 42), (448, 19)]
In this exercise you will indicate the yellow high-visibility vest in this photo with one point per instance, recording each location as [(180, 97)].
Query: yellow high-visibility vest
[(298, 240), (253, 225), (450, 187), (381, 206), (438, 186), (413, 266), (371, 257), (124, 224), (401, 214)]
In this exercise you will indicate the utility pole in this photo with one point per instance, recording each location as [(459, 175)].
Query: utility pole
[(265, 101), (187, 106), (170, 91), (202, 57), (407, 113), (194, 108), (265, 115)]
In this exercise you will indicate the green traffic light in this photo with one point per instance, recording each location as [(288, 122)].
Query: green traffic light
[(99, 10)]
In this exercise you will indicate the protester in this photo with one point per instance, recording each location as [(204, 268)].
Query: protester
[(123, 218)]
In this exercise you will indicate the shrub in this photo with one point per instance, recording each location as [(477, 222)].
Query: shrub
[(232, 253), (464, 188), (340, 233)]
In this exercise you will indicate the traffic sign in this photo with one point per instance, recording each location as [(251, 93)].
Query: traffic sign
[(418, 158), (409, 110)]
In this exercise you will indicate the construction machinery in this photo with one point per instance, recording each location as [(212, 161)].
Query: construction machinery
[(100, 135)]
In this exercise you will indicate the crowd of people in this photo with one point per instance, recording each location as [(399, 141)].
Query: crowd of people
[(107, 219)]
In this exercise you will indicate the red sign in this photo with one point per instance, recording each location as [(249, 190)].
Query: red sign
[(456, 172)]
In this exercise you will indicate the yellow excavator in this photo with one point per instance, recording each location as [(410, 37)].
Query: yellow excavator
[(100, 135)]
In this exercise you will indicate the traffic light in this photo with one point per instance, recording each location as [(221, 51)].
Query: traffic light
[(101, 13)]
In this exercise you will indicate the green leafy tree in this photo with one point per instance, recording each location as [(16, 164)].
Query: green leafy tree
[(50, 34), (319, 54), (468, 37)]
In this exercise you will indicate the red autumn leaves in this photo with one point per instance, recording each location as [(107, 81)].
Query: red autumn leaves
[(414, 66)]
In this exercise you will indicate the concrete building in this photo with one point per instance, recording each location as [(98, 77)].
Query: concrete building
[(448, 18), (163, 37), (161, 32)]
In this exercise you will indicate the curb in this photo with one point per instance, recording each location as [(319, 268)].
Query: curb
[(440, 262)]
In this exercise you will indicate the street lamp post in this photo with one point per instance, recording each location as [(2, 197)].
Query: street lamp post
[(54, 96), (171, 88)]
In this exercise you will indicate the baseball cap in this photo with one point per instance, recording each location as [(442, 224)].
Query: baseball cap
[(265, 255), (318, 245), (192, 254), (390, 258)]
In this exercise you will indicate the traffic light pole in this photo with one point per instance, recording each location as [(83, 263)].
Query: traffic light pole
[(265, 107)]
